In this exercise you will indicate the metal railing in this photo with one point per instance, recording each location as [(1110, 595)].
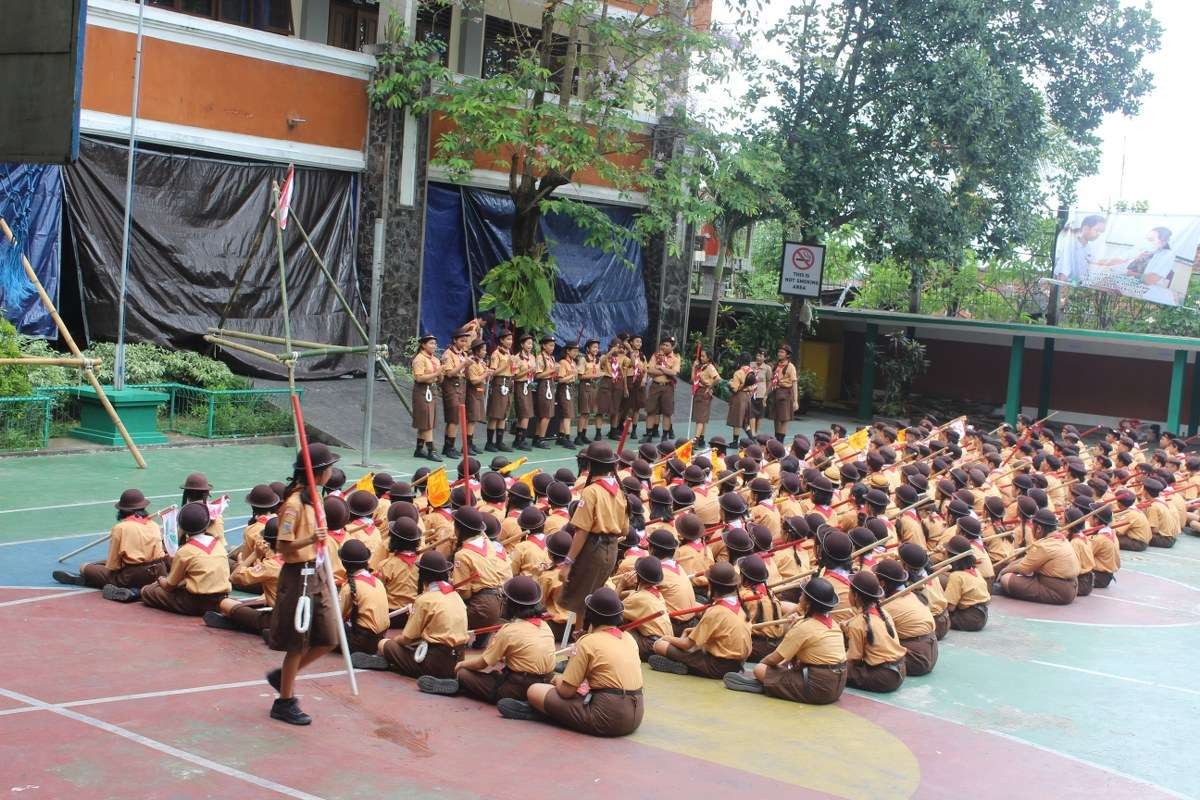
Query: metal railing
[(24, 423)]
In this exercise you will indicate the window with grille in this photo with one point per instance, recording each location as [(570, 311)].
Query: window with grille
[(265, 15), (504, 41), (433, 25), (353, 23)]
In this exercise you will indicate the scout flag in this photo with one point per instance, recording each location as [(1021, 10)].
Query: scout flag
[(437, 488), (859, 439), (684, 453), (508, 468), (170, 529), (902, 436), (285, 198), (959, 426), (366, 483), (658, 474), (527, 478)]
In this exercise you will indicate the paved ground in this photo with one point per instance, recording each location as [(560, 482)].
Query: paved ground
[(101, 700)]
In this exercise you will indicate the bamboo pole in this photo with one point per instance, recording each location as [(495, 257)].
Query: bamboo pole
[(261, 337), (245, 348), (912, 587), (38, 361), (88, 372)]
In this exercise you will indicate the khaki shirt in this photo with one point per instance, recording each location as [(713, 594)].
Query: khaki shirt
[(707, 376), (694, 557), (676, 589), (708, 505), (552, 583), (371, 599), (1106, 553), (556, 518), (841, 585), (200, 566), (529, 557), (380, 516), (251, 536), (297, 522), (672, 363), (399, 574), (134, 540), (1138, 527), (765, 513), (265, 572), (911, 617), (723, 631), (601, 509), (934, 594), (884, 650), (643, 603), (524, 645), (567, 371), (480, 555), (1163, 521), (502, 364), (783, 378), (426, 369), (439, 616), (813, 640), (496, 510), (965, 588), (1083, 551), (1051, 556), (910, 529), (792, 561), (366, 532), (454, 364), (607, 658)]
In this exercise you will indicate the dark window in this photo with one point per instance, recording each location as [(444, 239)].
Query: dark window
[(265, 15), (353, 23), (504, 41), (433, 25)]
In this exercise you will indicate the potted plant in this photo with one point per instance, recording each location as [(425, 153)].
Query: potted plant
[(806, 387)]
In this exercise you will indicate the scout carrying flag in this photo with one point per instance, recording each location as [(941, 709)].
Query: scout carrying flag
[(527, 478), (437, 488), (516, 465), (366, 483)]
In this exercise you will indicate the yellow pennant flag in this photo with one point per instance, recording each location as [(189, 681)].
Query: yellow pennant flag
[(366, 483), (514, 466), (902, 436), (684, 453), (437, 488), (859, 439), (527, 478), (658, 474)]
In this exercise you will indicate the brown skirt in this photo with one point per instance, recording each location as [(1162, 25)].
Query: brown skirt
[(483, 609), (543, 401), (1101, 580), (499, 398), (970, 618), (739, 410), (424, 403), (609, 397), (817, 685), (922, 654), (781, 406), (942, 624), (699, 662), (439, 659), (589, 403), (880, 678), (322, 630), (607, 713), (1086, 582), (566, 400), (524, 393), (453, 392), (1042, 589), (131, 576), (591, 569), (661, 399), (476, 403), (180, 600), (702, 405), (492, 687)]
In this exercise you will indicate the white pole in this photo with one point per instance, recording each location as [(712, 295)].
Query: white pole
[(119, 364), (372, 341)]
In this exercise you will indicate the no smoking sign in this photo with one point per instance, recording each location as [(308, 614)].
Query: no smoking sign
[(800, 272)]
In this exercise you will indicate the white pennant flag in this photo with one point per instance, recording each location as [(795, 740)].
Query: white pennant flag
[(285, 198)]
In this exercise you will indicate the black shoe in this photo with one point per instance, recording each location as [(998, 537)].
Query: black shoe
[(368, 661), (700, 442), (649, 437), (563, 441), (490, 447), (516, 709), (502, 447), (542, 444), (451, 453), (119, 594), (419, 452), (289, 711), (667, 436), (663, 664), (430, 453), (523, 445), (581, 439), (741, 682), (612, 434), (472, 449), (69, 578), (432, 685), (215, 619)]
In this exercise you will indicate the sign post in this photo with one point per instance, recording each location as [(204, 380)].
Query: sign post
[(802, 269)]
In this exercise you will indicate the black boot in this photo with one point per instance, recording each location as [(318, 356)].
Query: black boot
[(500, 445), (598, 435), (668, 435), (542, 443), (614, 434), (448, 448), (430, 453), (289, 711), (700, 442), (650, 434), (491, 444), (521, 442), (471, 448), (581, 439), (563, 440), (420, 451)]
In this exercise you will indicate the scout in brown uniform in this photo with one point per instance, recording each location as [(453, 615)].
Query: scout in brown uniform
[(915, 626), (741, 387), (599, 522), (809, 665), (783, 400), (382, 484), (523, 649), (455, 361), (633, 369), (676, 587), (909, 527), (916, 562), (1164, 522), (493, 489), (477, 376), (135, 551), (646, 601), (719, 643), (1106, 553), (199, 576), (693, 554), (480, 568), (761, 606), (1135, 533), (663, 370), (873, 649), (528, 556), (566, 378), (364, 600), (253, 616), (398, 569), (704, 377), (763, 511), (263, 502), (427, 373), (1081, 544), (543, 402), (504, 367), (298, 541), (551, 582), (606, 659), (1049, 569), (362, 506), (612, 388), (524, 367), (589, 389), (435, 635), (964, 589)]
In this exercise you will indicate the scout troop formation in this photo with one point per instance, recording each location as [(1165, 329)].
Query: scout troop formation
[(831, 561)]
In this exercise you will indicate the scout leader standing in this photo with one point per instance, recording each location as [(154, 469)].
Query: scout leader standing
[(524, 368), (504, 367), (454, 371), (589, 393), (783, 401), (477, 381), (135, 551), (566, 377), (633, 368), (427, 373), (611, 394), (543, 403), (663, 370), (704, 377)]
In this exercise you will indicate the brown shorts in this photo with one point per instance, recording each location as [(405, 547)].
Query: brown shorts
[(454, 390), (588, 398), (491, 687), (1135, 545), (608, 713), (971, 618), (922, 654), (880, 678), (702, 405), (322, 630), (1101, 580), (566, 400), (699, 662), (500, 398), (439, 659), (1161, 541), (632, 404), (250, 618), (591, 569), (814, 684), (483, 609), (660, 399), (761, 647), (738, 415), (180, 600), (524, 393), (781, 406), (476, 403), (362, 640), (609, 397), (1042, 589), (543, 401), (132, 576), (424, 403)]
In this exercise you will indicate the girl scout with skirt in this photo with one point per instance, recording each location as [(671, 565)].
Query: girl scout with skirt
[(525, 388), (427, 372), (589, 389), (301, 577), (704, 378), (199, 576)]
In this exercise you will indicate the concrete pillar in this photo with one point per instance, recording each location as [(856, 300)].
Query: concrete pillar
[(866, 394), (1047, 377), (1175, 397), (1016, 360)]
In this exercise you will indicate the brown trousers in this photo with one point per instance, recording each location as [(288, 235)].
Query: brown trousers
[(645, 645), (1086, 582), (1125, 543), (942, 624), (1101, 580), (180, 600), (970, 618), (605, 712), (1161, 541), (250, 619), (439, 660), (483, 609), (1042, 589), (131, 576), (922, 654), (492, 687), (761, 647), (591, 569), (817, 685), (880, 678), (699, 662), (362, 640)]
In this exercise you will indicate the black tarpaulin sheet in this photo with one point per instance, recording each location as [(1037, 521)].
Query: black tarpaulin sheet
[(195, 222)]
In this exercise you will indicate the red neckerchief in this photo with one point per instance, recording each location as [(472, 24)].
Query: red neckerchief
[(616, 632), (697, 544), (534, 621), (729, 604), (609, 484), (445, 587), (445, 513), (614, 368), (206, 548), (654, 590), (538, 539), (669, 563), (139, 520), (408, 557), (971, 570), (910, 513), (824, 619), (560, 512), (700, 490), (760, 591), (514, 514), (366, 578), (837, 576), (475, 548), (824, 511), (875, 611), (368, 527), (777, 374), (338, 536), (263, 519), (635, 552)]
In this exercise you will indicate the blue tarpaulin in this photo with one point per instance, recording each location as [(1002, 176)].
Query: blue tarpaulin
[(467, 232), (31, 197)]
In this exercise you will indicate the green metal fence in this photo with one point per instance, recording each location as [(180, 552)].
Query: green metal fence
[(24, 423)]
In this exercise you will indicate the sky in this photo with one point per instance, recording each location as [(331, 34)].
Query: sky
[(1154, 145)]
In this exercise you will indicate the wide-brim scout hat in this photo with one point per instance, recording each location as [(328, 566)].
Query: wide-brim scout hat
[(546, 340), (525, 337), (957, 545), (970, 526), (722, 576), (321, 457), (478, 344), (1045, 518), (820, 483), (761, 536), (404, 529), (402, 508), (633, 504), (337, 513), (262, 496), (907, 495), (693, 475), (719, 443), (559, 543), (649, 570), (994, 506), (866, 584), (462, 332), (605, 602), (591, 342), (789, 483), (837, 546), (564, 475), (660, 495), (354, 553), (402, 490), (753, 569), (493, 487), (382, 482), (429, 337), (522, 590), (1026, 507), (600, 453), (760, 486), (891, 570), (820, 592), (689, 527), (433, 561), (797, 526), (860, 537), (362, 503), (738, 540), (662, 539), (196, 482), (559, 494), (913, 555), (531, 518), (280, 488), (682, 495), (542, 483), (732, 503), (132, 500), (469, 518), (631, 485), (520, 490), (193, 518), (571, 346), (877, 499)]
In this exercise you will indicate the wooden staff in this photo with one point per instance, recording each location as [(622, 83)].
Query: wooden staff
[(719, 481), (637, 623), (399, 611), (1020, 551), (999, 535), (920, 502), (787, 620), (789, 582), (952, 559), (624, 434), (912, 587), (438, 543)]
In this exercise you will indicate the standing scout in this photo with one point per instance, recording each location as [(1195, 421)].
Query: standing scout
[(543, 403), (612, 389), (454, 368), (762, 380), (135, 551), (589, 390), (504, 367), (477, 381), (741, 387), (525, 390), (704, 377), (663, 370), (427, 372), (566, 377), (783, 400), (633, 369)]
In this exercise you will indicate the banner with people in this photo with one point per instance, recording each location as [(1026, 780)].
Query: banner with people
[(1149, 257)]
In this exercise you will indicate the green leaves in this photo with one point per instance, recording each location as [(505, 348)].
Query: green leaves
[(521, 291)]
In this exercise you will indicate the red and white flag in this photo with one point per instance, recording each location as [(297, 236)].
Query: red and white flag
[(285, 198)]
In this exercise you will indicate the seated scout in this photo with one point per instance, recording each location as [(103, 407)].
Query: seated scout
[(253, 616), (135, 551), (964, 590), (719, 643), (873, 649), (915, 626), (1047, 573), (199, 576), (646, 601), (363, 599), (916, 562)]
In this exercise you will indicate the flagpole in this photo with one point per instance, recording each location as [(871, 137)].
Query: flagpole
[(119, 360)]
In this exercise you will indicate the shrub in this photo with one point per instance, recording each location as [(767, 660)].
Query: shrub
[(14, 382)]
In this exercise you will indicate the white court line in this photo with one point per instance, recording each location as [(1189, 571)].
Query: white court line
[(1017, 740), (109, 501), (1141, 625), (1161, 578), (145, 741), (41, 597), (1146, 605), (1126, 678), (1158, 555)]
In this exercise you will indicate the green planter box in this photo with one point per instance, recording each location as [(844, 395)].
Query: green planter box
[(137, 408)]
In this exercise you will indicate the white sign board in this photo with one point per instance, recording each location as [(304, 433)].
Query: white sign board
[(800, 272)]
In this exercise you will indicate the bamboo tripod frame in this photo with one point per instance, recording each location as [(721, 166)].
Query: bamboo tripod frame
[(85, 364)]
